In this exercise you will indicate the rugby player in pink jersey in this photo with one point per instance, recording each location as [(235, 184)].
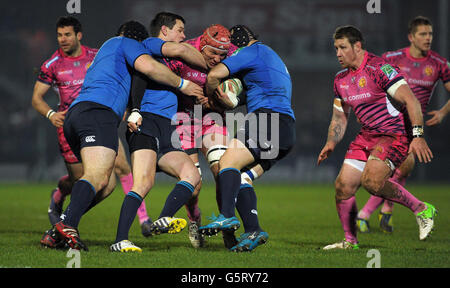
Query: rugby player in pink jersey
[(422, 69), (65, 71), (170, 27), (204, 134), (371, 87)]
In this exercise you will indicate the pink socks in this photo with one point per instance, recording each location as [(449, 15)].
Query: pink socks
[(347, 212)]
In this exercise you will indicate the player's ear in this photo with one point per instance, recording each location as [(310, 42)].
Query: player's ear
[(164, 30), (79, 36), (357, 46), (410, 37)]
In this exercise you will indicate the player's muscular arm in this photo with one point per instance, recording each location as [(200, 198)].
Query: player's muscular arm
[(39, 104), (185, 52), (404, 95), (338, 124), (160, 73), (336, 130), (439, 115), (216, 74), (418, 145)]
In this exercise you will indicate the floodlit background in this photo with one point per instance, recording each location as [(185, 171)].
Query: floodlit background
[(300, 31)]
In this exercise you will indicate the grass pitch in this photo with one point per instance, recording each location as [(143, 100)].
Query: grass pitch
[(300, 220)]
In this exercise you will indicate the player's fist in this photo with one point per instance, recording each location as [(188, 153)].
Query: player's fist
[(57, 118), (191, 89), (134, 121)]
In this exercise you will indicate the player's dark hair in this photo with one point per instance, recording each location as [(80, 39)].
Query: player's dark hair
[(351, 33), (69, 21), (418, 21), (134, 30), (241, 35), (163, 19)]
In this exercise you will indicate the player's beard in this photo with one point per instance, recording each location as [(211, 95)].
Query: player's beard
[(72, 49)]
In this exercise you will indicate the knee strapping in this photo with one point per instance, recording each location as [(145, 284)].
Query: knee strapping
[(215, 153)]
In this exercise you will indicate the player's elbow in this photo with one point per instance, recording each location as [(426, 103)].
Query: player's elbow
[(213, 75)]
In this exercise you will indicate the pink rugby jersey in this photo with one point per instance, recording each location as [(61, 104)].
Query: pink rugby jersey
[(186, 103), (422, 74), (365, 91), (66, 74)]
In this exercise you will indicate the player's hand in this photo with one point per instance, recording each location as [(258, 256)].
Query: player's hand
[(191, 89), (437, 118), (202, 100), (134, 121), (222, 97), (420, 148), (326, 151), (57, 118)]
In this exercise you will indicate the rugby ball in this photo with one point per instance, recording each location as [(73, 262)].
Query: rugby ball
[(233, 88)]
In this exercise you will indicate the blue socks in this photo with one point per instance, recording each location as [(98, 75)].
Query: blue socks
[(82, 195), (179, 196), (246, 206), (128, 212), (229, 184)]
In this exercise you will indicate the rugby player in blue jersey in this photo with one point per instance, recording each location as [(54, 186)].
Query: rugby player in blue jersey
[(270, 114), (154, 142), (93, 118)]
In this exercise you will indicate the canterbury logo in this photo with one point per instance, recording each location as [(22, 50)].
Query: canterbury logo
[(89, 139)]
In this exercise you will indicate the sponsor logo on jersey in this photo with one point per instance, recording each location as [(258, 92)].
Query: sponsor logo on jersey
[(65, 72), (389, 71), (343, 86)]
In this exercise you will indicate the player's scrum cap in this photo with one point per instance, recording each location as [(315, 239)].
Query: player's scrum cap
[(241, 35), (216, 36), (133, 30)]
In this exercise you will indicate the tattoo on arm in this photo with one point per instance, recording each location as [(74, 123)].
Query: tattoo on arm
[(337, 129)]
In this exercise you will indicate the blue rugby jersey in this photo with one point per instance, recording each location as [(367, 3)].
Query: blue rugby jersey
[(108, 79), (266, 77), (158, 98)]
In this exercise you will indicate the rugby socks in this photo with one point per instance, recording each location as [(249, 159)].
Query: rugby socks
[(347, 212), (82, 195), (127, 184), (388, 207), (399, 178), (402, 196), (246, 206), (229, 184), (62, 190), (128, 211), (372, 204), (179, 196), (192, 209)]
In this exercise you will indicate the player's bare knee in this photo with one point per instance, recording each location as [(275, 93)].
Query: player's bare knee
[(343, 189), (372, 184), (122, 169)]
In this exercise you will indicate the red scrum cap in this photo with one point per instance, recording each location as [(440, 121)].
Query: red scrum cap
[(216, 36)]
